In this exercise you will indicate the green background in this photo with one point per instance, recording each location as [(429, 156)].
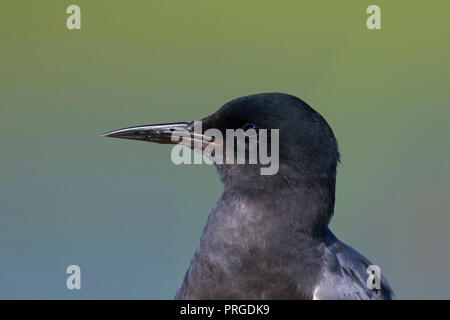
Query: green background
[(129, 217)]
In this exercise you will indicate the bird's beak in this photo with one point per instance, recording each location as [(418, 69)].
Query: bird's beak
[(161, 133)]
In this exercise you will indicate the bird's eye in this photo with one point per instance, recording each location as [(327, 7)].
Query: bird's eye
[(250, 126)]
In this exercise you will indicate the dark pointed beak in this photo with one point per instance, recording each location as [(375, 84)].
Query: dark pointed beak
[(161, 133)]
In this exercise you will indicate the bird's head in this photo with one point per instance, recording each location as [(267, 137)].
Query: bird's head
[(295, 145)]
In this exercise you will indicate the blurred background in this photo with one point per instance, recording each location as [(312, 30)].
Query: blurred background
[(129, 217)]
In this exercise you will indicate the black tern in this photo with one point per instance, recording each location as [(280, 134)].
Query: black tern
[(267, 236)]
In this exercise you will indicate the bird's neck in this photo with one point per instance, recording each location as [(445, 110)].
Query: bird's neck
[(306, 205)]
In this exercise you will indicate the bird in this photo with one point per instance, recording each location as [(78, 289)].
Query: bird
[(267, 236)]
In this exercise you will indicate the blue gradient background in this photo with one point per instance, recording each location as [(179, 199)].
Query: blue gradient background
[(129, 217)]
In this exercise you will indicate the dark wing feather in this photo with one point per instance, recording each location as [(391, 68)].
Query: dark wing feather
[(345, 275)]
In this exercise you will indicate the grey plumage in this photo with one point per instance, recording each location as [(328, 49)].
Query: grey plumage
[(248, 252), (268, 237)]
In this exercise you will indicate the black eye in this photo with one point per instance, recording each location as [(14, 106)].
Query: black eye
[(250, 126)]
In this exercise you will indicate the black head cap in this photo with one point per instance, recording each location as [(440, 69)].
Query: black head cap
[(308, 151)]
